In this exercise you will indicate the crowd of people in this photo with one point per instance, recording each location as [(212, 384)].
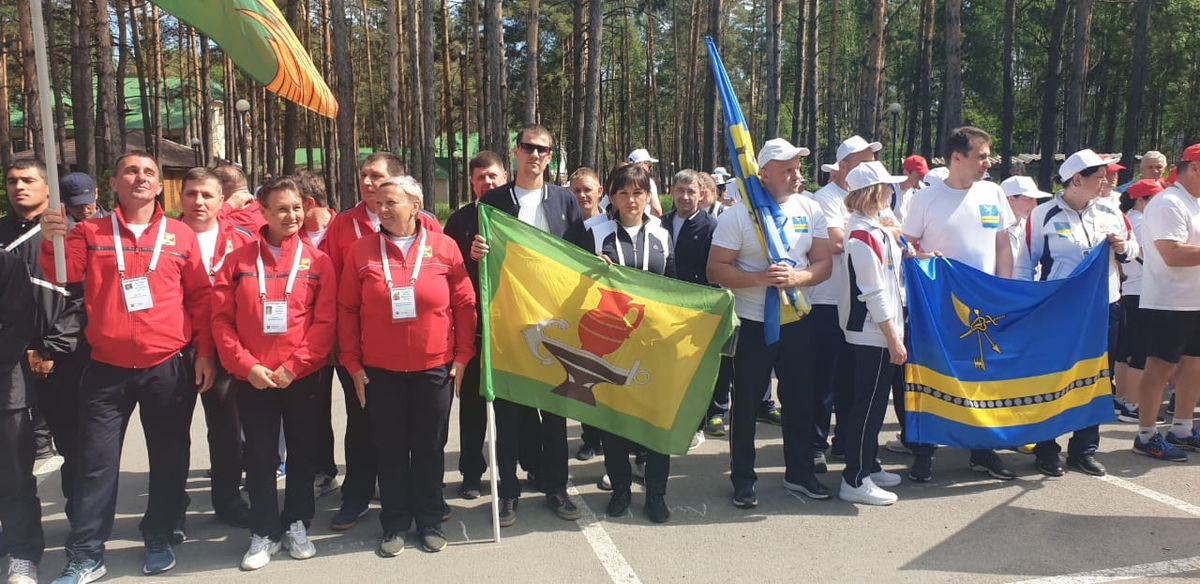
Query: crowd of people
[(255, 301)]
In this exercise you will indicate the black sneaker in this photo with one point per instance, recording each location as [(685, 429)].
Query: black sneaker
[(238, 516), (1087, 464), (347, 517), (922, 468), (508, 511), (159, 557), (562, 505), (744, 498), (771, 416), (586, 452), (1048, 466), (656, 509), (618, 504), (471, 488), (809, 487), (433, 540), (445, 510), (990, 463)]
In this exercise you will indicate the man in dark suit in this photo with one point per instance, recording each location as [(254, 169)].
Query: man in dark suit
[(552, 209)]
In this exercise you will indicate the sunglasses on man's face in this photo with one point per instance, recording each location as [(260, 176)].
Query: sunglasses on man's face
[(528, 148)]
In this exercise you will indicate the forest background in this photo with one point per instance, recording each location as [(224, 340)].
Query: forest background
[(437, 80)]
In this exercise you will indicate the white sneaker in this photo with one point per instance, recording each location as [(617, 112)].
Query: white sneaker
[(605, 483), (884, 478), (867, 493), (295, 541), (22, 571), (897, 446), (260, 552), (697, 440)]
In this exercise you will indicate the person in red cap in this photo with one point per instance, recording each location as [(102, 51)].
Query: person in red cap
[(1131, 344), (1170, 304), (1113, 197)]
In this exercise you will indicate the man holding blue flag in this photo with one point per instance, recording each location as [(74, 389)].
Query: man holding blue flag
[(738, 261), (963, 218)]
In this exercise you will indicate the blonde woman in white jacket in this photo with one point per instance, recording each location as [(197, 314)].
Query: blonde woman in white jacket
[(871, 313)]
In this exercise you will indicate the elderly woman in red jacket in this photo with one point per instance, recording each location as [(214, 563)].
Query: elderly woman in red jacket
[(274, 311), (406, 329)]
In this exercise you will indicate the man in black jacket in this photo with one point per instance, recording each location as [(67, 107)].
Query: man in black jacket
[(57, 351), (552, 209), (20, 510)]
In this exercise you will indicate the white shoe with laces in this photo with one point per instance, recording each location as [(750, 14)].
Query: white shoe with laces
[(884, 478), (697, 440), (867, 493), (295, 541), (260, 552), (22, 571)]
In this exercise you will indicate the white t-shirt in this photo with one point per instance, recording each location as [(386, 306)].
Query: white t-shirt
[(735, 231), (208, 246), (832, 200), (962, 224), (1173, 215), (138, 229), (373, 218), (316, 236), (530, 207), (403, 243), (1132, 286)]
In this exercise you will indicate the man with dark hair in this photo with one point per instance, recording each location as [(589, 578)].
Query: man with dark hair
[(964, 218), (487, 173), (57, 353), (20, 510), (78, 192), (552, 209), (147, 298), (239, 206)]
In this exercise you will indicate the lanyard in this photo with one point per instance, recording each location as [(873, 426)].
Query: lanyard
[(24, 237), (158, 244), (645, 233), (291, 281), (387, 270)]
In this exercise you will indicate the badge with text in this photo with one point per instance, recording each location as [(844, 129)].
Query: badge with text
[(137, 294), (275, 317), (404, 303)]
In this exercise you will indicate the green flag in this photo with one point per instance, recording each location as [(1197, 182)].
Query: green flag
[(618, 348)]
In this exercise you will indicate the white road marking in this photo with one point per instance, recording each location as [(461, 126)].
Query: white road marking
[(602, 545), (1126, 573), (1179, 505)]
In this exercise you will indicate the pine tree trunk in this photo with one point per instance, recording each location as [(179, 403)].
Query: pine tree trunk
[(6, 151), (651, 125), (574, 138), (799, 87), (347, 149), (810, 84), (774, 66), (496, 95), (1006, 114), (533, 56), (413, 80), (1073, 126), (1049, 124), (393, 76), (291, 111), (82, 107), (831, 137), (448, 109), (869, 112), (923, 78), (206, 101), (591, 111), (1137, 80), (712, 118), (952, 96), (428, 101)]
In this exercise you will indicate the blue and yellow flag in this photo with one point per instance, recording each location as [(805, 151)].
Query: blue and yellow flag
[(995, 363)]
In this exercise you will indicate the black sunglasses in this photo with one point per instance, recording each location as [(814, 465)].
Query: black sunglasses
[(528, 148)]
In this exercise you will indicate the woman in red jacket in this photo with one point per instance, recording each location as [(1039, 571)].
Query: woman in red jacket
[(274, 311), (406, 329)]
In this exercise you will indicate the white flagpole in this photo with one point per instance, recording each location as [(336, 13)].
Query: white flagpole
[(491, 420), (43, 81)]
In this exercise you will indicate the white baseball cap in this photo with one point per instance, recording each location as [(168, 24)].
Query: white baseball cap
[(1081, 161), (936, 175), (829, 167), (855, 144), (720, 172), (871, 173), (641, 155), (779, 149), (1024, 186)]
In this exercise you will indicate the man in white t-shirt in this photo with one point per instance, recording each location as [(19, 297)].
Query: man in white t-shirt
[(738, 261), (964, 218), (1170, 307), (833, 375)]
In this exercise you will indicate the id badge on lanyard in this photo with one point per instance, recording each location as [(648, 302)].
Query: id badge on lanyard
[(275, 312), (403, 298), (136, 291)]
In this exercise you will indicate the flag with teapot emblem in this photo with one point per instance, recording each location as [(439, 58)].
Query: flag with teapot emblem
[(627, 351), (996, 363)]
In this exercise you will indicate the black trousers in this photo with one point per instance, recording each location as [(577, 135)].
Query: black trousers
[(359, 485), (833, 375), (20, 509), (616, 464), (472, 424), (514, 424), (323, 454), (792, 360), (861, 425), (720, 399), (221, 416), (58, 399), (262, 413), (592, 436), (165, 396), (409, 412)]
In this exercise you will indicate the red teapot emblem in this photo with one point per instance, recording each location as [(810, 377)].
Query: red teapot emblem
[(604, 329)]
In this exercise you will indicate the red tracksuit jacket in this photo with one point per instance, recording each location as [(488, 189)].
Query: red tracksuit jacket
[(340, 234)]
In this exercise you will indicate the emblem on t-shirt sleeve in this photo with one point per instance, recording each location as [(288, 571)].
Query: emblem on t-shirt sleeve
[(800, 224), (989, 216), (168, 239), (1062, 229)]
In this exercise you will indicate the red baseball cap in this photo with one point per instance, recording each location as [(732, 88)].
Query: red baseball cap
[(1114, 167), (917, 163), (1171, 177), (1147, 187), (1191, 153)]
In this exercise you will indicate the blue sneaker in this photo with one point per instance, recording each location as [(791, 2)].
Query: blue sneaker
[(159, 557), (1158, 448), (81, 571), (1187, 442)]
